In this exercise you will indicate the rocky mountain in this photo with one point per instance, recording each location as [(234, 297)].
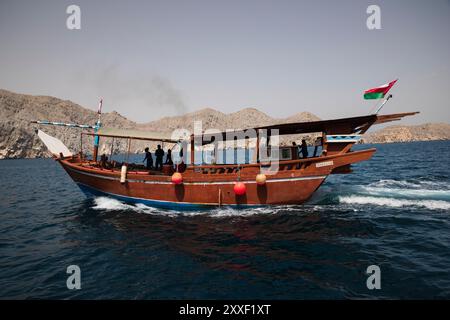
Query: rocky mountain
[(245, 118), (18, 138), (423, 132), (17, 135)]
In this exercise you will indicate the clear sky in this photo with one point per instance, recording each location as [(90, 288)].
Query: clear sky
[(149, 59)]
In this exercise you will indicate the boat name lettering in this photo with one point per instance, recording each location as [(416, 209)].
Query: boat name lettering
[(324, 164)]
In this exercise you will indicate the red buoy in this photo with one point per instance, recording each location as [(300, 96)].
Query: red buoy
[(239, 188), (177, 178)]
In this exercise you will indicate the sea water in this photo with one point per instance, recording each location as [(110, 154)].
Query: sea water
[(393, 211)]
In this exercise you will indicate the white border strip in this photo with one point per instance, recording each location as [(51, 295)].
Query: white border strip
[(171, 203)]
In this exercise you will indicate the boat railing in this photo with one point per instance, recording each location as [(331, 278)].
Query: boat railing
[(297, 164), (218, 169)]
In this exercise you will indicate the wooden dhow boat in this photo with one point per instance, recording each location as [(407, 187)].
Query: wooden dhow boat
[(196, 185)]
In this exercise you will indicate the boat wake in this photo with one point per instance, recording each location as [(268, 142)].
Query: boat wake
[(395, 203), (110, 204), (432, 195), (413, 190), (388, 193)]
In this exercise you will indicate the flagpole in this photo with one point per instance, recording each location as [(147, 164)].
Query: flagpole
[(384, 102), (374, 107), (99, 111), (374, 92)]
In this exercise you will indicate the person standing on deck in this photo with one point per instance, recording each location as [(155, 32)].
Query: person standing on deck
[(317, 144), (159, 153), (296, 148), (169, 158), (304, 149), (149, 158)]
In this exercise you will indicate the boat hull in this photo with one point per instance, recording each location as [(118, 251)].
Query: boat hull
[(294, 183), (198, 194)]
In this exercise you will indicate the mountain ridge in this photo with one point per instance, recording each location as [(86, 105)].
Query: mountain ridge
[(18, 139)]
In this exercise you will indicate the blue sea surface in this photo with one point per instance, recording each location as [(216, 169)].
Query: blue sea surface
[(392, 211)]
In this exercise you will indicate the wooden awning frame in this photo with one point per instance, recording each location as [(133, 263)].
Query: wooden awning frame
[(351, 125)]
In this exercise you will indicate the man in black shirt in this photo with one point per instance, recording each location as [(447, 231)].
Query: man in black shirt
[(169, 158), (304, 149), (159, 154), (149, 158)]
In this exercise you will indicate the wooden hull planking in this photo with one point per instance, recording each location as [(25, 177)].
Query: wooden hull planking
[(294, 183)]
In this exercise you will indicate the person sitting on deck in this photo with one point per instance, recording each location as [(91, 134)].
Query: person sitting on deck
[(304, 149), (149, 158), (181, 153), (103, 161), (169, 158), (180, 167), (159, 153)]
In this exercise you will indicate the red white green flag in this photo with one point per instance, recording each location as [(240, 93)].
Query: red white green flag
[(379, 92)]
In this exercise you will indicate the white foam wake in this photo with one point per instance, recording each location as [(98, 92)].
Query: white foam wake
[(110, 204), (396, 203), (410, 193), (224, 212), (418, 184)]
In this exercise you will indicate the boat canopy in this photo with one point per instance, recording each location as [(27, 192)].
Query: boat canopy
[(336, 126), (353, 125), (394, 117), (135, 134)]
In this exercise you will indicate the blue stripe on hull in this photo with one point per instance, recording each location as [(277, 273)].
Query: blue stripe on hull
[(89, 192)]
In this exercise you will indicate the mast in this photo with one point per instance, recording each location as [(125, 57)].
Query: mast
[(96, 127)]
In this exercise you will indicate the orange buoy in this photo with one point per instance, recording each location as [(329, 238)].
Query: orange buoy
[(239, 188), (177, 178), (261, 179)]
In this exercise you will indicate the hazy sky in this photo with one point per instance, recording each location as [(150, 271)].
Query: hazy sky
[(149, 59)]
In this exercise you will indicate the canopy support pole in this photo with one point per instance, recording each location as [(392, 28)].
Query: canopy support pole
[(111, 153), (81, 146), (128, 150), (192, 150), (257, 146)]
